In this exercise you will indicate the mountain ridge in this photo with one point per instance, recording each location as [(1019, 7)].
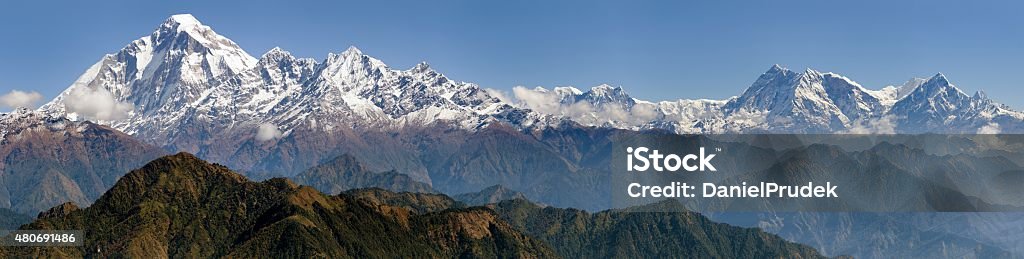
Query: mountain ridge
[(179, 205), (46, 160), (351, 89)]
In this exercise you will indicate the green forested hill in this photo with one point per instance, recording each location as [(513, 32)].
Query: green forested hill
[(661, 230), (180, 206)]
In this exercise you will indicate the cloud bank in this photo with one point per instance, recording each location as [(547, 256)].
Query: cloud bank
[(16, 98), (991, 128), (96, 104), (549, 102), (883, 125)]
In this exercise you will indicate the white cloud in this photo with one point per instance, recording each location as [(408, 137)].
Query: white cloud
[(15, 99), (548, 102), (268, 131), (883, 125), (544, 102), (96, 104), (991, 128), (645, 111)]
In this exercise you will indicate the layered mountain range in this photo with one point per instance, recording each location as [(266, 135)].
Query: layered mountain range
[(784, 101), (47, 160), (186, 76), (182, 206), (186, 85), (186, 88)]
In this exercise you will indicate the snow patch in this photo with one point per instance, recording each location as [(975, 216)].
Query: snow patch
[(185, 19)]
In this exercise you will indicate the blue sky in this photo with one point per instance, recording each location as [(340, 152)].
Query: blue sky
[(657, 50)]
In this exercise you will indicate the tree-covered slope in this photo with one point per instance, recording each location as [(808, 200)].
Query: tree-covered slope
[(180, 206), (661, 230)]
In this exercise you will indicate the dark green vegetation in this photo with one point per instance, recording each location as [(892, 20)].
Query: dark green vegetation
[(345, 172), (661, 230), (180, 206), (637, 232)]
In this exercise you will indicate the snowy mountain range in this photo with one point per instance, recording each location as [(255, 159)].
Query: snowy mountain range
[(186, 88), (784, 101), (184, 73)]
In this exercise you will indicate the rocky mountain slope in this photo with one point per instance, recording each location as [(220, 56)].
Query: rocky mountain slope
[(47, 160)]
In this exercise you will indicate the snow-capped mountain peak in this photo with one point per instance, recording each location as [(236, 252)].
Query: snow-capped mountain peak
[(811, 73), (603, 89), (811, 101), (936, 105), (185, 78), (192, 78), (566, 91), (163, 72), (184, 19), (421, 67), (182, 32), (980, 95), (276, 53), (938, 84), (350, 65)]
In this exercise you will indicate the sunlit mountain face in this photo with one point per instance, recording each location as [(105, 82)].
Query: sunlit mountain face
[(351, 121)]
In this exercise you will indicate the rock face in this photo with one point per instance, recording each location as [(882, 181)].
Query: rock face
[(46, 160), (180, 206)]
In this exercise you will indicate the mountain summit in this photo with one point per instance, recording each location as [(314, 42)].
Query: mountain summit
[(157, 75), (785, 101), (186, 88), (184, 74)]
